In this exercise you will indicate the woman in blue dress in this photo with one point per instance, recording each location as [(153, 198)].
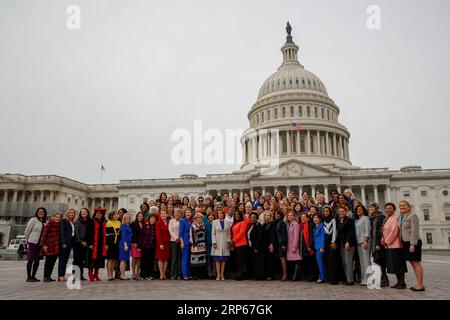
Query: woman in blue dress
[(125, 245)]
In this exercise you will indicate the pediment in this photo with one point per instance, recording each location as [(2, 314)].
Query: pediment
[(293, 168)]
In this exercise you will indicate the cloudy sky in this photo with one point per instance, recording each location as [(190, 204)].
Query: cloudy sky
[(115, 90)]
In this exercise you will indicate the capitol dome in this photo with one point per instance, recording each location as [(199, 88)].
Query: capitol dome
[(292, 76), (294, 118)]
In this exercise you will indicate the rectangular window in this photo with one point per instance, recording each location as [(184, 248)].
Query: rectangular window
[(406, 193), (262, 117), (308, 112), (323, 114), (302, 143), (131, 200), (283, 138), (294, 142), (423, 193), (268, 115), (328, 114), (429, 238), (426, 214), (447, 211)]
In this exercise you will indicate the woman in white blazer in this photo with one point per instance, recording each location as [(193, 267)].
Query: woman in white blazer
[(221, 243)]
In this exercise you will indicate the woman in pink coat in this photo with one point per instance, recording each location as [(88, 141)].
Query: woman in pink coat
[(395, 260), (293, 252)]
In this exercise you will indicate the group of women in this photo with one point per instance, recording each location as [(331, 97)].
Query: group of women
[(263, 237)]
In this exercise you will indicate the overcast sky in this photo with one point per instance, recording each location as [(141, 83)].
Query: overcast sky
[(114, 91)]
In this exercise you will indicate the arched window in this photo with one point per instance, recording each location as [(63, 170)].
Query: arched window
[(316, 115), (292, 111), (283, 112), (276, 113), (308, 111), (300, 111), (262, 117), (268, 115)]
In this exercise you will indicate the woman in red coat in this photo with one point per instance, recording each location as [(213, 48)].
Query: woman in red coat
[(50, 245), (162, 244)]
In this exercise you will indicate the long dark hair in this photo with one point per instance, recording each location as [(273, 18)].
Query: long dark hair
[(44, 218), (88, 217), (241, 217)]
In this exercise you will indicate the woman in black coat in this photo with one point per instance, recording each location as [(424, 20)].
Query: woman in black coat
[(280, 243), (346, 242), (269, 238), (80, 246), (256, 244)]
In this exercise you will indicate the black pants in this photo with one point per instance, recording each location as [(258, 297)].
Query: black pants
[(147, 262), (49, 265), (269, 264), (175, 259), (293, 269), (307, 268), (80, 256), (257, 265), (241, 256), (64, 255)]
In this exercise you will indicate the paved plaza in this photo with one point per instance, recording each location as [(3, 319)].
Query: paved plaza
[(13, 286)]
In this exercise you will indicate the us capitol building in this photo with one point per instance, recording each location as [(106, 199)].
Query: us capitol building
[(275, 157)]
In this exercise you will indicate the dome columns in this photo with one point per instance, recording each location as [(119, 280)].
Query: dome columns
[(266, 144)]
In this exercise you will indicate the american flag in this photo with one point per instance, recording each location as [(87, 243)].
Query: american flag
[(103, 168), (295, 126)]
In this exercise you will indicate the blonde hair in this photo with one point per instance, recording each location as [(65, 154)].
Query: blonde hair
[(268, 213), (125, 216), (405, 202), (198, 214), (66, 215)]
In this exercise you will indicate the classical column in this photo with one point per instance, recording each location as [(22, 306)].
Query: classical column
[(388, 193), (363, 194), (41, 196), (327, 143), (375, 193), (335, 145), (288, 142), (288, 189), (341, 147), (92, 205), (313, 191), (252, 190), (31, 197), (52, 196), (110, 204), (298, 141), (263, 191), (14, 200), (102, 202), (300, 191), (5, 197), (241, 196), (325, 190), (319, 151), (338, 187), (308, 142)]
